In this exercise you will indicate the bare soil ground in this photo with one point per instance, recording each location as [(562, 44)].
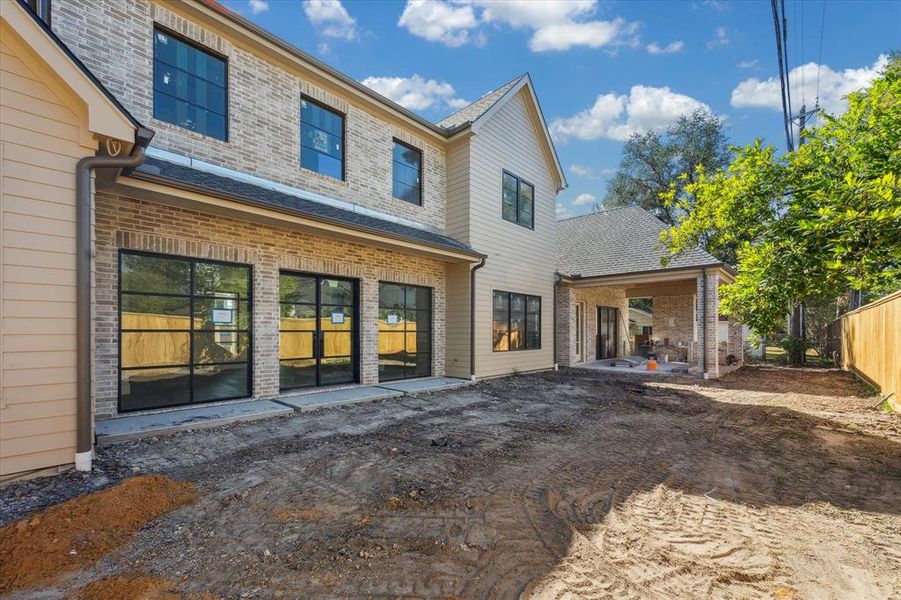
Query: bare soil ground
[(769, 483)]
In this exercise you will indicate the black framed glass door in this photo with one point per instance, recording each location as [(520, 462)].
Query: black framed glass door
[(607, 332), (405, 331), (184, 331), (318, 332)]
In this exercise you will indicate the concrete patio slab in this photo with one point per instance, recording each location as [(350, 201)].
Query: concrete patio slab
[(429, 384), (137, 426), (325, 399)]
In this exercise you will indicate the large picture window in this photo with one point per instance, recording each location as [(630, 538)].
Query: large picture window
[(518, 200), (516, 322), (321, 139), (189, 86), (407, 173), (405, 331), (184, 331)]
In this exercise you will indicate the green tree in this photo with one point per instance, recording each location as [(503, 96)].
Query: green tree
[(652, 163), (813, 223)]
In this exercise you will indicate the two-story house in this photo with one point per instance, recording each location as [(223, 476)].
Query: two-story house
[(195, 211)]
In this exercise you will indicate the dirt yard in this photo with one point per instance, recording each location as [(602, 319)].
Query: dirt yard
[(771, 483)]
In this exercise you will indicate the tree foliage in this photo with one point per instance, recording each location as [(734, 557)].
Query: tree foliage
[(652, 162), (816, 222)]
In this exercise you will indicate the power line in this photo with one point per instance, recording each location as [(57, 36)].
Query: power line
[(786, 113), (820, 55)]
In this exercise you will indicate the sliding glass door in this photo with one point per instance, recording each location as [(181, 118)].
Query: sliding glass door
[(184, 331), (318, 330)]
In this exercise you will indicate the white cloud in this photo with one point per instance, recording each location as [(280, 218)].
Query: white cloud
[(438, 21), (323, 48), (618, 116), (721, 40), (561, 211), (416, 93), (581, 171), (671, 48), (749, 64), (554, 25), (834, 87), (332, 18), (584, 199), (258, 6)]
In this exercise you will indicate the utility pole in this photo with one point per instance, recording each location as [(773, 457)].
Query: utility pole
[(798, 330)]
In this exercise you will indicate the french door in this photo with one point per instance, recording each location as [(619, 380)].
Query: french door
[(607, 332), (318, 330)]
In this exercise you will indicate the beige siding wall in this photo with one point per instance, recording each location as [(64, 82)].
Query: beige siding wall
[(519, 259), (114, 38), (42, 136)]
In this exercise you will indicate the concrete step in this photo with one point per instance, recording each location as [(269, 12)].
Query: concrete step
[(203, 417), (314, 400), (428, 384)]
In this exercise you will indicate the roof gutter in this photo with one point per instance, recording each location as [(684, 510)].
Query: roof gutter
[(84, 440)]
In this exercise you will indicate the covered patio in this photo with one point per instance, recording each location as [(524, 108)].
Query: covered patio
[(608, 258)]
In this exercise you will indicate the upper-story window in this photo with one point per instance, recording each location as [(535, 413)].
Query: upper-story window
[(189, 86), (518, 201), (41, 8), (407, 173), (321, 139)]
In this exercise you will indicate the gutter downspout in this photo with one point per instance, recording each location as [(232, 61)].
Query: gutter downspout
[(557, 278), (472, 318), (84, 442), (704, 323)]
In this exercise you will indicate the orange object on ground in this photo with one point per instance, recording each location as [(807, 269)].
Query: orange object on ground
[(652, 364)]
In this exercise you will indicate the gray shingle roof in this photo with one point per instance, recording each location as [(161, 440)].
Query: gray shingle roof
[(617, 241), (474, 110), (156, 169)]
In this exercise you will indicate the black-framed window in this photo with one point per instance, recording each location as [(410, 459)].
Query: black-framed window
[(321, 139), (516, 322), (518, 201), (190, 85), (405, 331), (41, 8), (184, 331), (406, 178)]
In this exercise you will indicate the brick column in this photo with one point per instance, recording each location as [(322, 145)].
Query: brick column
[(265, 328), (566, 326), (369, 330), (736, 345), (707, 343)]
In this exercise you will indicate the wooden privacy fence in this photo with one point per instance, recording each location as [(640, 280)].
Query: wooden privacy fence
[(868, 342)]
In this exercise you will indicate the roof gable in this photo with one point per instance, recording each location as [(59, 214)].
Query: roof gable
[(106, 115), (476, 114)]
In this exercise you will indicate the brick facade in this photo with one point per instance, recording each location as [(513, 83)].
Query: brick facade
[(673, 325), (125, 223), (591, 299), (263, 109)]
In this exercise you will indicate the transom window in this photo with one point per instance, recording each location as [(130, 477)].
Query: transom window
[(516, 322), (184, 331), (405, 331), (189, 86), (321, 139), (518, 199), (407, 173)]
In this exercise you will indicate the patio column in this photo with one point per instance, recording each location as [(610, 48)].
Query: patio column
[(736, 341), (566, 326), (707, 318)]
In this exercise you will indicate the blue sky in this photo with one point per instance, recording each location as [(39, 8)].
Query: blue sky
[(602, 69)]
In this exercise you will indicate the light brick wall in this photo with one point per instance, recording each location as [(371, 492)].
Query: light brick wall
[(125, 223), (736, 343), (114, 38), (567, 298)]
